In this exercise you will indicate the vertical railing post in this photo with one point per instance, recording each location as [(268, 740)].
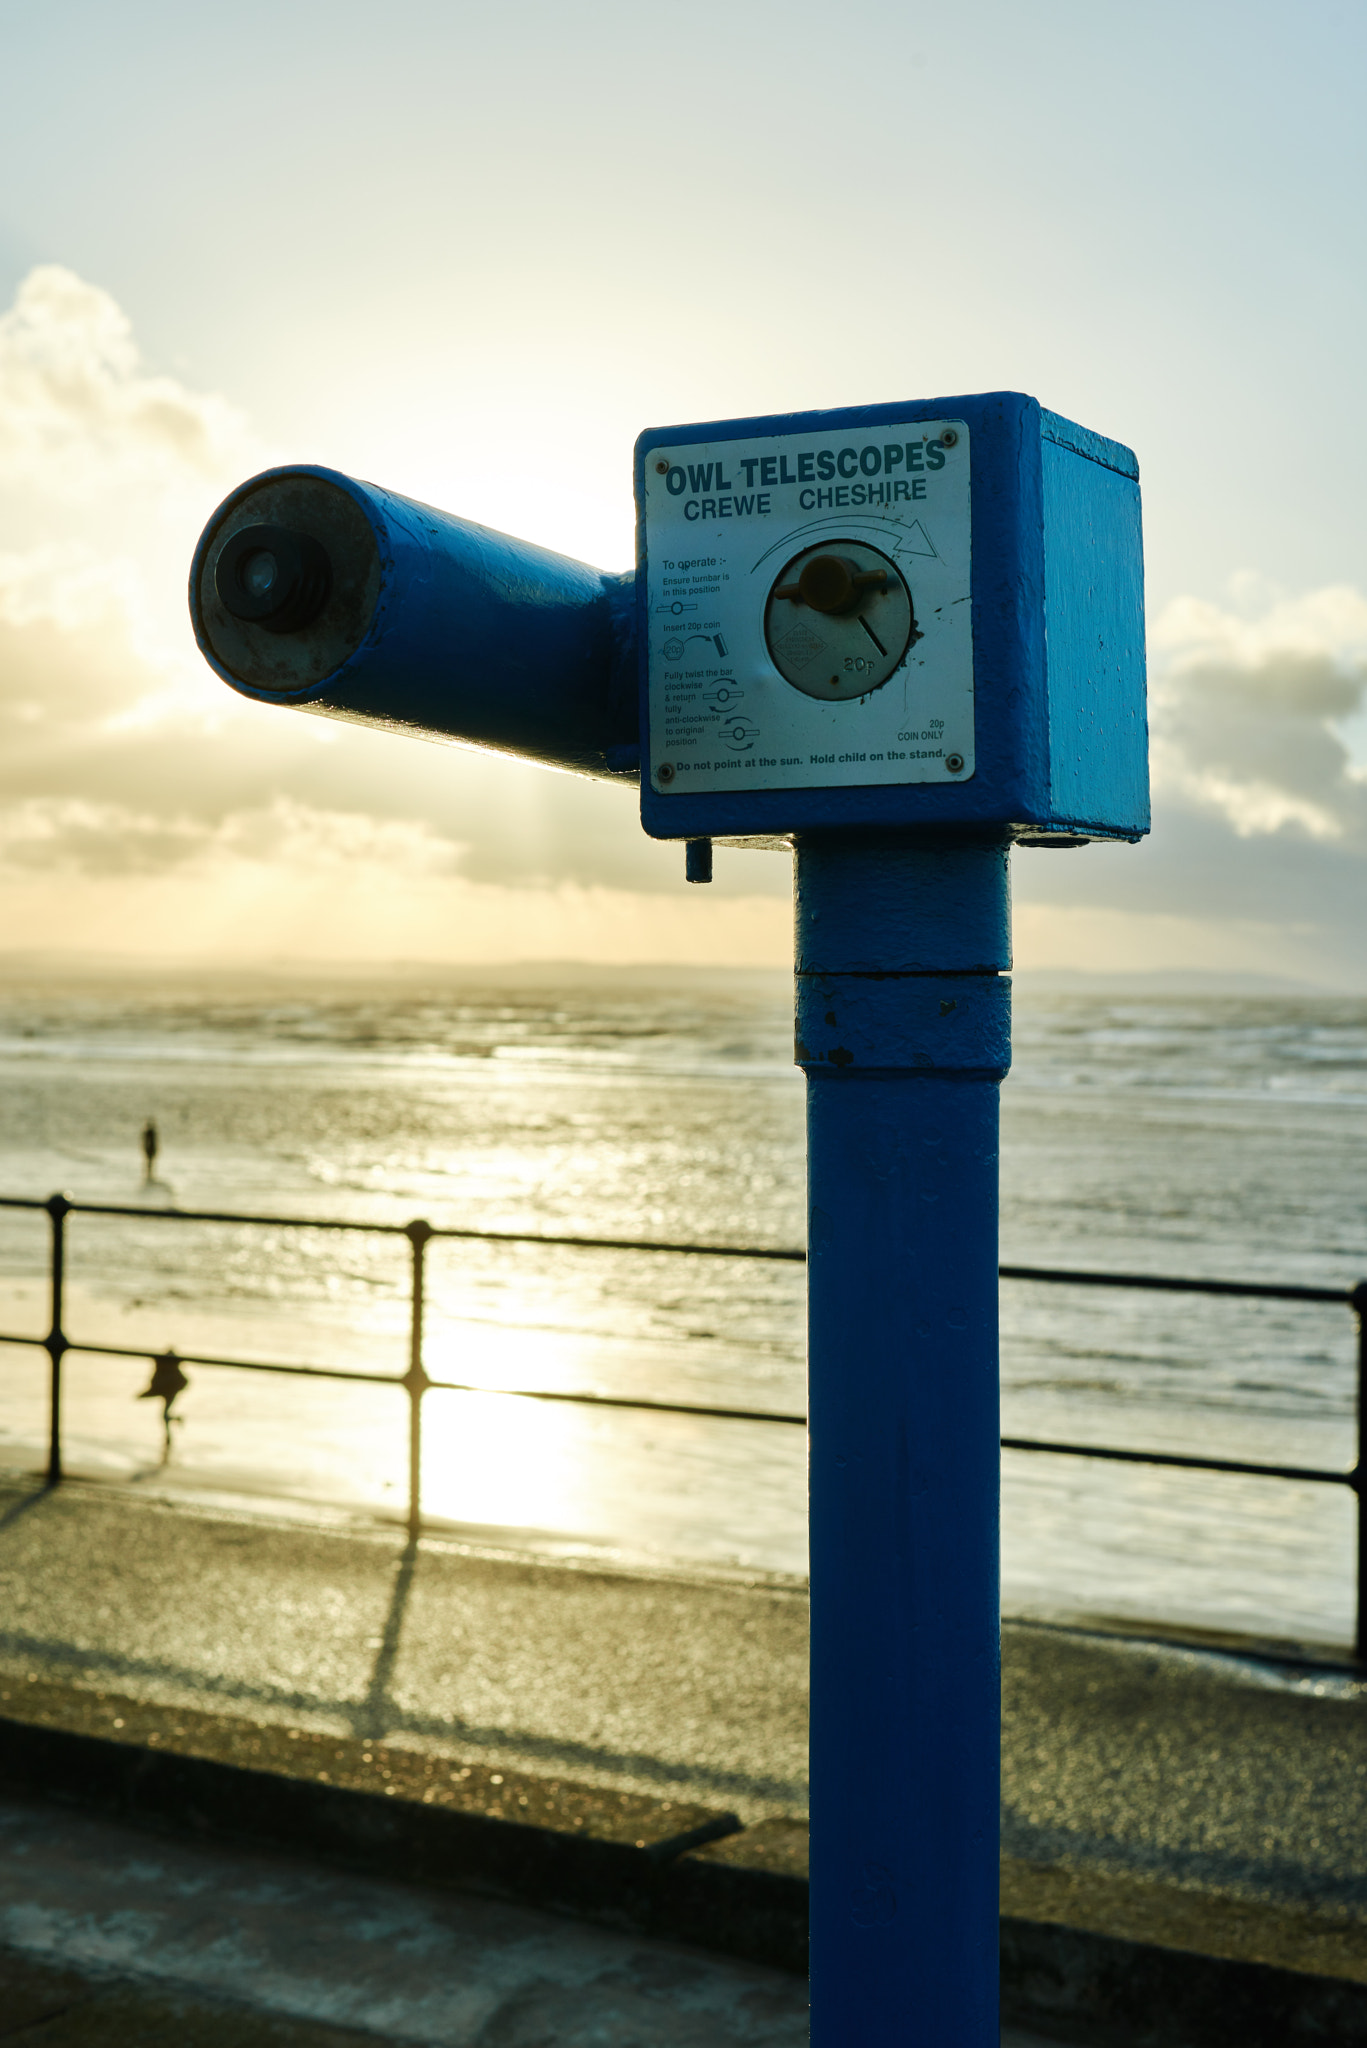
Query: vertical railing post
[(55, 1342), (415, 1380), (1358, 1298)]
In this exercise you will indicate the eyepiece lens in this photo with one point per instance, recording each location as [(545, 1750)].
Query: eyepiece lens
[(273, 577), (259, 572)]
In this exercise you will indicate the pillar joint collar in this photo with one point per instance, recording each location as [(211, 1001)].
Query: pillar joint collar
[(956, 1023)]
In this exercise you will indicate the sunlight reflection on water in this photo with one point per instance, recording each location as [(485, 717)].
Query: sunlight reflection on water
[(1206, 1136)]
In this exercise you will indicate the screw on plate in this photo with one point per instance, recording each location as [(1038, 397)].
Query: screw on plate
[(665, 772), (662, 469), (949, 438), (954, 763)]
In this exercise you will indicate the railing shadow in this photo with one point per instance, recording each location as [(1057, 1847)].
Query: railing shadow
[(375, 1713), (22, 1507)]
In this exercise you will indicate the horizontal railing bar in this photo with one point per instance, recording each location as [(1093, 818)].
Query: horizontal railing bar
[(312, 1372), (228, 1216), (632, 1244), (623, 1401), (1258, 1290), (614, 1244), (389, 1379), (1181, 1460)]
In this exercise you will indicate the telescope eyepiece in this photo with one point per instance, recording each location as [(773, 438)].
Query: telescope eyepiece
[(274, 577)]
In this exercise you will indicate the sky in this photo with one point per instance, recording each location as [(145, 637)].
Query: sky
[(469, 252)]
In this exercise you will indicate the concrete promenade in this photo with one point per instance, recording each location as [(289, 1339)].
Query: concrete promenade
[(1228, 1774), (1211, 1799), (109, 1940), (683, 1687)]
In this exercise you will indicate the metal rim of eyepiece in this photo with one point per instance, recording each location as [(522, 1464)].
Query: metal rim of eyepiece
[(273, 577)]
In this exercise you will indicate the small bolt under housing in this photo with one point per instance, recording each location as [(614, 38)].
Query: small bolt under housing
[(697, 860)]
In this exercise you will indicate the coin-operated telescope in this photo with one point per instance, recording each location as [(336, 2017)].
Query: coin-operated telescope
[(898, 639)]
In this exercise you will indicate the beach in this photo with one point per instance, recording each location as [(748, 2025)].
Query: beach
[(1158, 1129)]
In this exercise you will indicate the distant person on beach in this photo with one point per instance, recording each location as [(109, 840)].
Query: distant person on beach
[(149, 1148)]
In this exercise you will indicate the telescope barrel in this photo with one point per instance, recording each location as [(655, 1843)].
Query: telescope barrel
[(312, 589)]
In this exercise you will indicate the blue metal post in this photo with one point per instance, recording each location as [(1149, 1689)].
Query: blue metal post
[(903, 1027)]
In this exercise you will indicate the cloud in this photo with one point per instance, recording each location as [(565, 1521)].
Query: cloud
[(1258, 857), (295, 886), (118, 747), (73, 836), (90, 702), (108, 470), (143, 805), (1249, 714), (80, 415)]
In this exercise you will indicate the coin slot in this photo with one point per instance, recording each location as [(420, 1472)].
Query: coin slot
[(839, 620)]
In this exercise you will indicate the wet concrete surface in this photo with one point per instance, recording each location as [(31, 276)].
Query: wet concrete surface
[(1221, 1774), (675, 1686), (1215, 1773), (109, 1936)]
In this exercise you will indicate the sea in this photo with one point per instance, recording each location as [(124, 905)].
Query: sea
[(1213, 1131)]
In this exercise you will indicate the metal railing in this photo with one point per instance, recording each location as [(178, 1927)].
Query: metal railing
[(416, 1381)]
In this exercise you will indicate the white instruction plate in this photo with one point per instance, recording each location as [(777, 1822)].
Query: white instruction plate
[(743, 647)]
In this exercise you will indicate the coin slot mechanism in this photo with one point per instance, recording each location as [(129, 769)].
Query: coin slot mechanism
[(839, 620)]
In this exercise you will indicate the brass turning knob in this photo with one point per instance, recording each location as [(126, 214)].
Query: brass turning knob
[(829, 583)]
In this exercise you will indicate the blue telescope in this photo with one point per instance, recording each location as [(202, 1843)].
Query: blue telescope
[(313, 590), (898, 639), (972, 664)]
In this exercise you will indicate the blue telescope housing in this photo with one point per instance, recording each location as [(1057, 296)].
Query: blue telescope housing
[(311, 589), (923, 618)]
